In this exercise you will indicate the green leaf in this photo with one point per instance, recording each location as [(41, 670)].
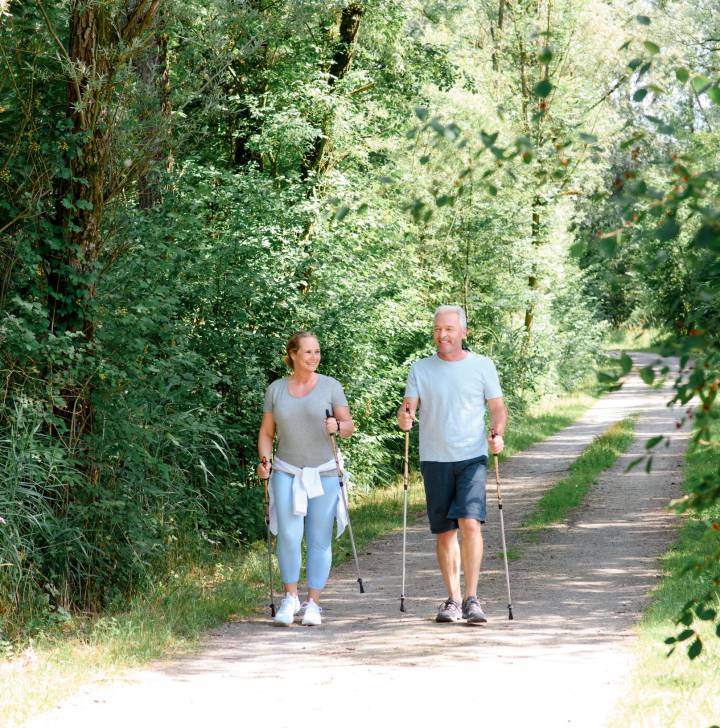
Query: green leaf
[(640, 94), (608, 246), (686, 618), (714, 94), (634, 463), (342, 212), (695, 648), (708, 236), (647, 375), (626, 363), (543, 88), (717, 630), (701, 83), (682, 74), (649, 444), (706, 614), (84, 204), (669, 230), (606, 377), (421, 113), (686, 634), (588, 138), (643, 19), (651, 47), (648, 464), (545, 55), (444, 200)]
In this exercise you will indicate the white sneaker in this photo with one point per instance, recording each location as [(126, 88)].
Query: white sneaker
[(289, 607), (312, 617)]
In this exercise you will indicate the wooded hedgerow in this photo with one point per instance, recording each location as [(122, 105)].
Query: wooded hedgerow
[(186, 183)]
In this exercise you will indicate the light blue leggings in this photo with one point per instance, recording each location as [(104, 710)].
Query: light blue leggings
[(318, 526)]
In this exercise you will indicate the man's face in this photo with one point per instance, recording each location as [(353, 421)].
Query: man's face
[(448, 334)]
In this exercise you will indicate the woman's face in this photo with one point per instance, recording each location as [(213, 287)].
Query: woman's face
[(307, 357)]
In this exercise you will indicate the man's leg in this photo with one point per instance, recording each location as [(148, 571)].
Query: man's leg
[(471, 552), (448, 557)]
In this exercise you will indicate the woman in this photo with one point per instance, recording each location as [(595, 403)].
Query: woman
[(304, 487)]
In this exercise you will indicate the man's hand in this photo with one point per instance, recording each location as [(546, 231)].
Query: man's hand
[(405, 419), (496, 442)]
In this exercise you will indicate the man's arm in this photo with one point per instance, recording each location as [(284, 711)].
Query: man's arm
[(498, 421)]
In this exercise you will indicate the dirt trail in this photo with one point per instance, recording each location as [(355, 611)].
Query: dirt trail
[(577, 592)]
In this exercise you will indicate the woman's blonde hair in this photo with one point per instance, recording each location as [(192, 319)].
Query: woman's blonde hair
[(293, 345)]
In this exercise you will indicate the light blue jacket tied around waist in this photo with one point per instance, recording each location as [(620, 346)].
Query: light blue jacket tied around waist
[(307, 484)]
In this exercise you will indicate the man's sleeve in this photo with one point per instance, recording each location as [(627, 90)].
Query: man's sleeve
[(492, 381), (411, 388)]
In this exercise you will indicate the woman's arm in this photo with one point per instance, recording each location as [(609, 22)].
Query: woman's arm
[(266, 435)]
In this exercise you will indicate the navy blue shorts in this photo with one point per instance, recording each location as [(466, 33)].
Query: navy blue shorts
[(454, 490)]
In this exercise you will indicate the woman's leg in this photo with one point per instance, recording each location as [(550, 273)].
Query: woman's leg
[(290, 531), (318, 533)]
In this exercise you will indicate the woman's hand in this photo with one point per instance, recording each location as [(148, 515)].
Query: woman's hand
[(263, 470)]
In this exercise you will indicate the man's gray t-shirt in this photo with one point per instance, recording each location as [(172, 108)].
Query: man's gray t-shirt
[(452, 398), (300, 421)]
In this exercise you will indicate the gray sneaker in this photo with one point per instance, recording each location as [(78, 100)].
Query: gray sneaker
[(472, 611), (449, 611)]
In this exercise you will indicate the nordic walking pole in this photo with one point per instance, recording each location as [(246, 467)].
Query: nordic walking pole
[(502, 529), (347, 505), (405, 501), (266, 482)]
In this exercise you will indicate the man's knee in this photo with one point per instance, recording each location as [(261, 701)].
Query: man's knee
[(470, 527)]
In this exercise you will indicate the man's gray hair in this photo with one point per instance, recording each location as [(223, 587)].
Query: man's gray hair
[(459, 310)]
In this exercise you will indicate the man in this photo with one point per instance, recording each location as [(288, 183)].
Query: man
[(451, 389)]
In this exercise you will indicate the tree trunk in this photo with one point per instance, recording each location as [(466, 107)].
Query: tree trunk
[(70, 256), (316, 159)]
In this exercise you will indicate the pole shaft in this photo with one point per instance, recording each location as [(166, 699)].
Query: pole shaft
[(347, 506), (502, 533)]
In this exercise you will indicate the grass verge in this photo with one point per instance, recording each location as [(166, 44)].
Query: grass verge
[(170, 618), (675, 690), (569, 492)]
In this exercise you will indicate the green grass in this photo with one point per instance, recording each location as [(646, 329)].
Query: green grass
[(635, 338), (569, 492), (546, 419), (170, 618), (674, 690)]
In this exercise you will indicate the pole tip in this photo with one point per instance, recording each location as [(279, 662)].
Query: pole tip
[(510, 614), (402, 604), (272, 609), (362, 588)]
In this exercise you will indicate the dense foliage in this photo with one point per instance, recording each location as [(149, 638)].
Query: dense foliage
[(197, 180)]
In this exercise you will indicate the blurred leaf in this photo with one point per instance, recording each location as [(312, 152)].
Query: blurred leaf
[(669, 230), (651, 47), (545, 55), (695, 648), (682, 74), (647, 375), (543, 88), (642, 19)]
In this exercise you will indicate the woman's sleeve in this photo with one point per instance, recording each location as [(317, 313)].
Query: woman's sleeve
[(268, 405), (337, 396)]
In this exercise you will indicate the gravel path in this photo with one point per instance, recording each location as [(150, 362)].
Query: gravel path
[(577, 590)]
